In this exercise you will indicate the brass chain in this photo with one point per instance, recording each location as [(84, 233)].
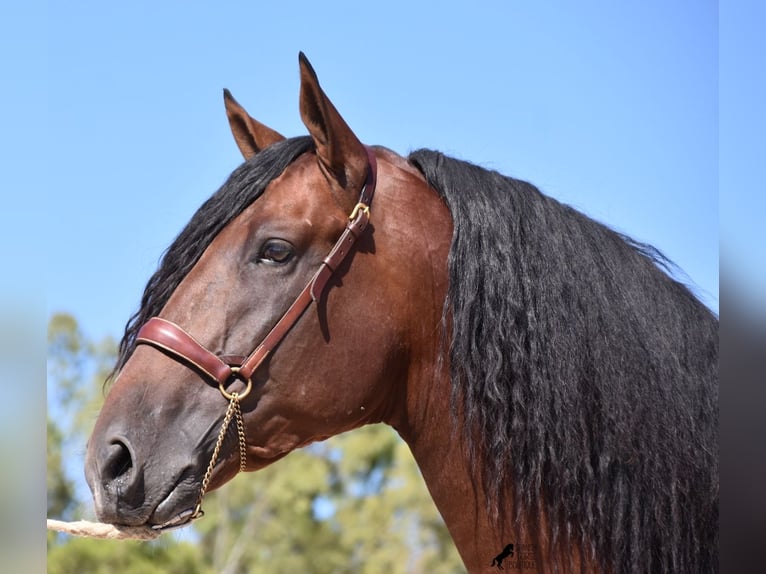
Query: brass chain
[(233, 410), (241, 433)]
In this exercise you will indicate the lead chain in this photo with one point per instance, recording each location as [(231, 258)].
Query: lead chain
[(233, 410), (241, 433)]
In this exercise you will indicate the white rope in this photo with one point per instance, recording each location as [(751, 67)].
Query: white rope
[(101, 530)]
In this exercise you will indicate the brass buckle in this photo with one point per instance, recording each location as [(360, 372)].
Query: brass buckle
[(363, 207)]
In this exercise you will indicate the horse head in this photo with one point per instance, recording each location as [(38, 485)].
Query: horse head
[(342, 360)]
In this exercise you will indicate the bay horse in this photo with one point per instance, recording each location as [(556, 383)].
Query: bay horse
[(557, 387)]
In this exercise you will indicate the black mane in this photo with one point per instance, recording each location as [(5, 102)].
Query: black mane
[(587, 375), (243, 187)]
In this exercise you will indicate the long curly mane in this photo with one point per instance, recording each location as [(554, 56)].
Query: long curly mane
[(588, 373)]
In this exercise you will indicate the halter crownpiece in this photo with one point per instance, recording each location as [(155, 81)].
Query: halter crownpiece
[(222, 370)]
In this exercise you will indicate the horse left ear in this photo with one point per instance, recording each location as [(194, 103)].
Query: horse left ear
[(251, 135), (341, 155)]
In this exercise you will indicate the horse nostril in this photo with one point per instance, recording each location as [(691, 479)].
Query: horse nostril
[(119, 461)]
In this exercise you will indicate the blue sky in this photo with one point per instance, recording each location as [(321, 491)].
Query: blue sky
[(610, 107)]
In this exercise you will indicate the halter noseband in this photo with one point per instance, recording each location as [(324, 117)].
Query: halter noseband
[(181, 346)]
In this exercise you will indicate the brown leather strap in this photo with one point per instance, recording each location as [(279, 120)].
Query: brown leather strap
[(368, 191), (277, 333), (314, 289), (171, 338)]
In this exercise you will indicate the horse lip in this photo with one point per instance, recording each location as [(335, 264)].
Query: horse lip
[(178, 521), (166, 514)]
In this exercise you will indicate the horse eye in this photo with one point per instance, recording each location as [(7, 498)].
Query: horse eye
[(276, 252)]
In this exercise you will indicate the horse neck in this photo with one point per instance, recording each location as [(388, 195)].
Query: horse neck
[(455, 486), (424, 417), (422, 412)]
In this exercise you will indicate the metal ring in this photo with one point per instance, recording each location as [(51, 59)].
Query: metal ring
[(243, 394)]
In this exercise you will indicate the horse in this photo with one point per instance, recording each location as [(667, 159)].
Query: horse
[(555, 383)]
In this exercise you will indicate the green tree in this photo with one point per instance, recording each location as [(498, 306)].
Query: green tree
[(77, 370), (388, 520), (81, 555), (354, 503), (60, 488), (265, 521)]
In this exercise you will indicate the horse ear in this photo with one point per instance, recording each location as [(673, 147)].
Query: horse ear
[(341, 155), (251, 135)]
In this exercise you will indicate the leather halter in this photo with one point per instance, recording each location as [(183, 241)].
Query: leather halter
[(180, 345)]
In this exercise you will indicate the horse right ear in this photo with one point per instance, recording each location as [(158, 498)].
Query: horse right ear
[(251, 135), (340, 153)]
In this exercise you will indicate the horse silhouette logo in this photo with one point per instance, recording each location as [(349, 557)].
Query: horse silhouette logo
[(506, 553)]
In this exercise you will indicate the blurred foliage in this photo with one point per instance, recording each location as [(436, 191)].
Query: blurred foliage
[(354, 503), (60, 488), (82, 555)]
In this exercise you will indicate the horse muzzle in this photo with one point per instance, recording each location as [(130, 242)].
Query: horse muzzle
[(131, 490), (135, 483)]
